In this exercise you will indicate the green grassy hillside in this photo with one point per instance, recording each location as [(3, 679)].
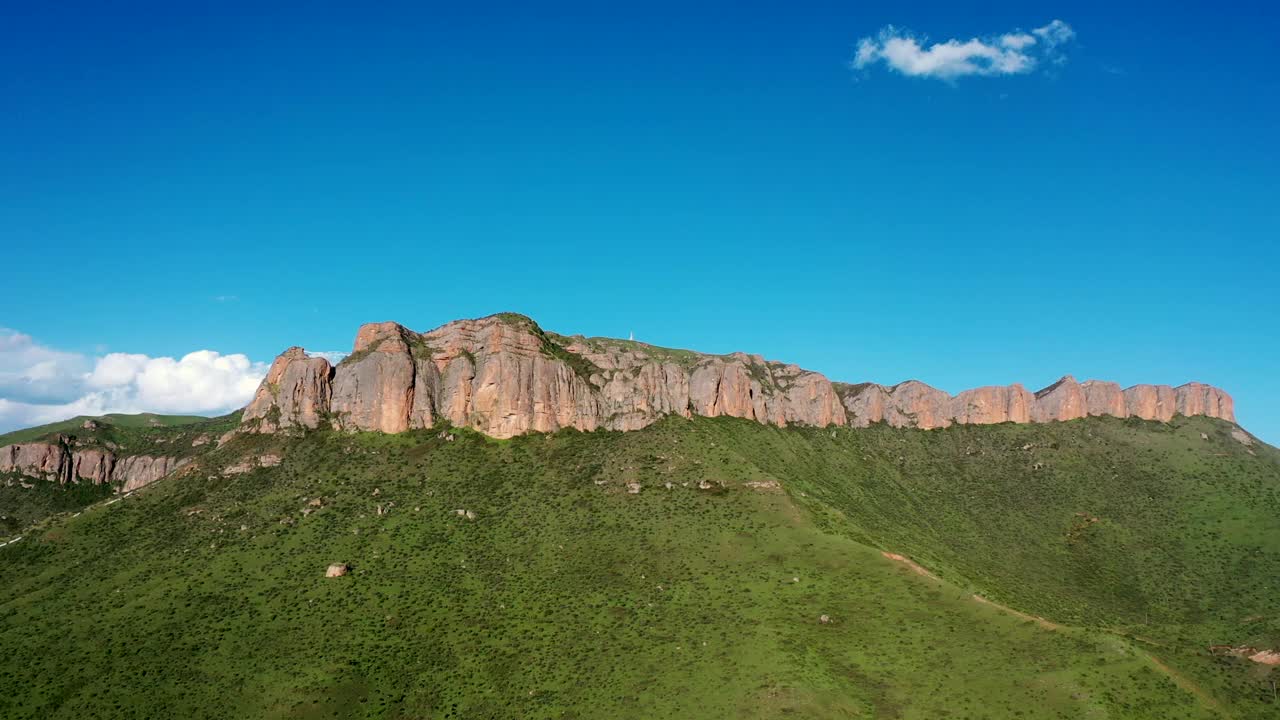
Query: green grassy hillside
[(567, 596), (123, 435), (75, 424)]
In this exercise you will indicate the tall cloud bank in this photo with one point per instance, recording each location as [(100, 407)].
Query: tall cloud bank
[(39, 384)]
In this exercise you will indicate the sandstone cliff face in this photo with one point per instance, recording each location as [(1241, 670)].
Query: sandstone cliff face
[(505, 376), (913, 404), (296, 388), (62, 462)]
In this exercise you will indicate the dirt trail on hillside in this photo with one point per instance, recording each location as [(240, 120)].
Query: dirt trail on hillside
[(1046, 624), (1178, 678), (915, 567), (920, 570), (1187, 684)]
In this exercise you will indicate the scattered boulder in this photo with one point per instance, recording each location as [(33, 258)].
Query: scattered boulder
[(337, 570), (1260, 656), (824, 619), (633, 488), (468, 514), (240, 468), (1266, 657)]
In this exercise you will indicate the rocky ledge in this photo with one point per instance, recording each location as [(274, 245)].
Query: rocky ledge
[(62, 461), (504, 376)]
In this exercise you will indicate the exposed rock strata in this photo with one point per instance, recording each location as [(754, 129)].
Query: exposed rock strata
[(62, 462), (912, 404), (505, 376)]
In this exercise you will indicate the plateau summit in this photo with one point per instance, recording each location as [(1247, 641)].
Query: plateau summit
[(503, 375)]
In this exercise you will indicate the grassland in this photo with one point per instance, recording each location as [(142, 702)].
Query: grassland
[(1139, 544), (75, 425), (123, 435)]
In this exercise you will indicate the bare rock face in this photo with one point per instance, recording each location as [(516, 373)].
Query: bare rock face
[(1063, 400), (1200, 399), (291, 395), (914, 404), (48, 461), (504, 376), (62, 462), (993, 404), (1104, 398), (376, 385), (1150, 402), (865, 403), (93, 465), (138, 471)]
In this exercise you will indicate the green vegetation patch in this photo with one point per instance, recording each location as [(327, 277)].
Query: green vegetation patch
[(563, 594)]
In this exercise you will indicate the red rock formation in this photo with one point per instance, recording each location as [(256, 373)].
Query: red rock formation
[(62, 462), (295, 390), (375, 390), (1063, 400), (993, 404), (1151, 402), (1104, 398), (504, 376)]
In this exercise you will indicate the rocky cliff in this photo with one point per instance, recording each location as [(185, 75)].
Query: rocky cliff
[(914, 404), (504, 376), (62, 461)]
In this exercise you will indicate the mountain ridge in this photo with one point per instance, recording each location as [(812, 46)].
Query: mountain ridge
[(504, 375)]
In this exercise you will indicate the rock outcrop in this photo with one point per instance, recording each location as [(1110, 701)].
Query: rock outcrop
[(297, 387), (63, 462), (913, 404), (504, 376)]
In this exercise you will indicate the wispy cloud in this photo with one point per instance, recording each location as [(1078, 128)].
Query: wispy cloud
[(39, 384), (1011, 53)]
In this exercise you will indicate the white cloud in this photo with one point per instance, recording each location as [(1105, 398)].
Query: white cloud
[(1011, 53), (40, 384), (30, 372), (1055, 33)]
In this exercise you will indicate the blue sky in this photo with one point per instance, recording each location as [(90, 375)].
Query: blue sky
[(239, 179)]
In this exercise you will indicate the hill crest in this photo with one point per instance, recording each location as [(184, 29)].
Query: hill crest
[(504, 375)]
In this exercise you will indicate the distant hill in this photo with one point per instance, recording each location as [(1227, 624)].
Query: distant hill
[(119, 419)]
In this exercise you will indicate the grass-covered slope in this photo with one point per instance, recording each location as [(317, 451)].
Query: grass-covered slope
[(119, 420), (568, 596), (26, 500)]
